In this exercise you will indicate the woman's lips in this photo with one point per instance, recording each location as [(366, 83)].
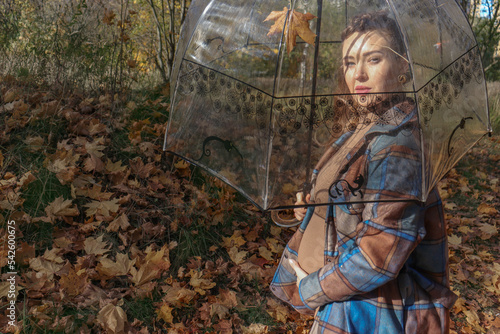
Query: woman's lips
[(362, 89)]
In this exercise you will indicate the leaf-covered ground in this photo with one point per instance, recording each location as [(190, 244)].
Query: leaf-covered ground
[(115, 236)]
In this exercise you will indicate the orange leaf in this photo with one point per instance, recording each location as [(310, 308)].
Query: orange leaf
[(165, 313), (297, 24), (74, 282)]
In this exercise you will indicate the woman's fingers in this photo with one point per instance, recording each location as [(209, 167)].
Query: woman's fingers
[(299, 272), (300, 213)]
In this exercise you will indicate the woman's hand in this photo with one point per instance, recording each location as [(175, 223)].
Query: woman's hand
[(299, 272), (300, 213)]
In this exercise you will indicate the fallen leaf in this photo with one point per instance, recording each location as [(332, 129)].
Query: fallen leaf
[(60, 208), (95, 246), (112, 318), (237, 256), (165, 313), (104, 208), (120, 267), (487, 209), (454, 240), (74, 282)]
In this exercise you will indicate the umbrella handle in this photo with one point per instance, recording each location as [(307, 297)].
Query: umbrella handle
[(282, 222), (288, 222)]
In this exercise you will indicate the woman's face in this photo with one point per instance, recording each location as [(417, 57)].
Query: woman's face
[(371, 66)]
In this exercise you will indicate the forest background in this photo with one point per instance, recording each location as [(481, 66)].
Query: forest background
[(114, 236)]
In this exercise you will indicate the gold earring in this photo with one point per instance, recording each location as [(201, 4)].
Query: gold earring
[(402, 78)]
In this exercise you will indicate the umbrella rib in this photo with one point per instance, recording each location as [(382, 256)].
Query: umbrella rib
[(445, 68)]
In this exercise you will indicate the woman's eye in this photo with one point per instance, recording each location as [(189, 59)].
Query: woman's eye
[(350, 64), (374, 60)]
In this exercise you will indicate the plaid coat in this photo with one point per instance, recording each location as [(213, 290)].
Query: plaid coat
[(385, 262)]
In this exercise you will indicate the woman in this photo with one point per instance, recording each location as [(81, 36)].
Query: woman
[(379, 264)]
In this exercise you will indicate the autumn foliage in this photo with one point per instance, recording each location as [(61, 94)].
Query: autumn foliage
[(115, 236)]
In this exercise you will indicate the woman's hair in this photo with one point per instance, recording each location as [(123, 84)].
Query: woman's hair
[(380, 21)]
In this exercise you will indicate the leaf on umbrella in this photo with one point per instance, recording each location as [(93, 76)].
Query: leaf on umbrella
[(112, 318), (297, 24)]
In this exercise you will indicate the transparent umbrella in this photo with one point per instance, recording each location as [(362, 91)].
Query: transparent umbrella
[(256, 98)]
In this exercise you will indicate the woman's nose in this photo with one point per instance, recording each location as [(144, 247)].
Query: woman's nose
[(360, 74)]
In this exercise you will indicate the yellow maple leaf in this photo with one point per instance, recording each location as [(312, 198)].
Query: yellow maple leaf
[(294, 24), (165, 313)]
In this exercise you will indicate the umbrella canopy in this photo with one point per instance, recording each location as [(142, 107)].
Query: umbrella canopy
[(256, 99)]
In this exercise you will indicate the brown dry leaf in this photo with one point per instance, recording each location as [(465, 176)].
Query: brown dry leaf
[(93, 164), (112, 318), (297, 24), (110, 268), (254, 329), (119, 223), (200, 284), (178, 296), (45, 267), (237, 256), (165, 313), (95, 246), (454, 240), (34, 143), (153, 265), (60, 208), (487, 209), (74, 282), (487, 231), (235, 240), (277, 310), (265, 253), (104, 208), (115, 167)]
